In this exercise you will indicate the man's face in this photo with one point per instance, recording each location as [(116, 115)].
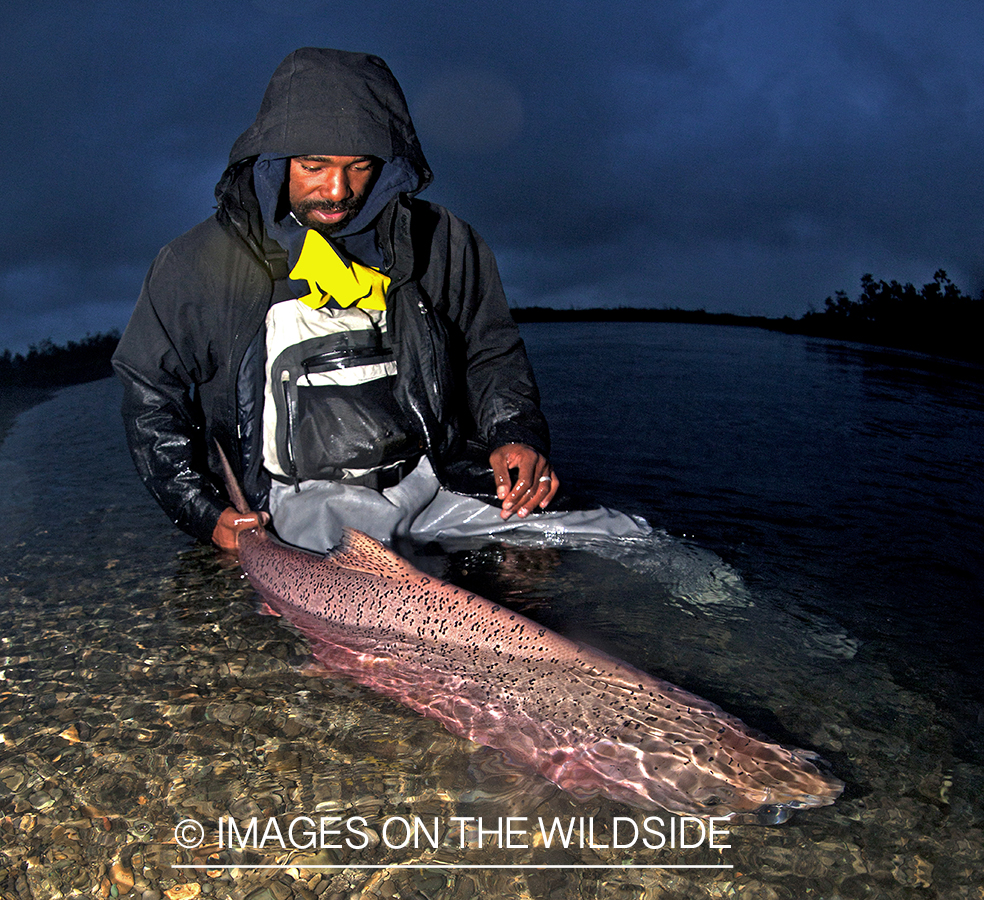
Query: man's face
[(327, 191)]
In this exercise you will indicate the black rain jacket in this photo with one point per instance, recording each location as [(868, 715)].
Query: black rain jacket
[(188, 358)]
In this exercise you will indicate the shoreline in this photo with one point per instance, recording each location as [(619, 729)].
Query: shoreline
[(16, 400)]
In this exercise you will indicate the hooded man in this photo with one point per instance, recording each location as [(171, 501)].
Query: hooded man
[(347, 344)]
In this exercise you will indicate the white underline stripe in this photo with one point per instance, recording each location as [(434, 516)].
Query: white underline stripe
[(457, 866)]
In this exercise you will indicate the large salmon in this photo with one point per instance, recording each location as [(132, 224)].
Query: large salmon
[(583, 719)]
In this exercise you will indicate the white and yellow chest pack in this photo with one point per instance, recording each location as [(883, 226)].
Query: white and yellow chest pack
[(329, 412)]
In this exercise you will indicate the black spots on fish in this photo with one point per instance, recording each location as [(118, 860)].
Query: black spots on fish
[(448, 644)]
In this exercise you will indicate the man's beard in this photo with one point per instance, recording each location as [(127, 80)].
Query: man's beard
[(351, 205)]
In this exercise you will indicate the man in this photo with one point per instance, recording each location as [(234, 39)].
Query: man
[(347, 344)]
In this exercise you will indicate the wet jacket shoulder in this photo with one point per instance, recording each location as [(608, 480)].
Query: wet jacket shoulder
[(202, 301)]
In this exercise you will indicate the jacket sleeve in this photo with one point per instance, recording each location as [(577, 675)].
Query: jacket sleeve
[(158, 364), (502, 392)]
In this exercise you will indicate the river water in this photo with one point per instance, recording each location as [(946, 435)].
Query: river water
[(816, 569)]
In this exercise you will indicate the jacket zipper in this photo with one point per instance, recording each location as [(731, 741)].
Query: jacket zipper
[(291, 418), (343, 359)]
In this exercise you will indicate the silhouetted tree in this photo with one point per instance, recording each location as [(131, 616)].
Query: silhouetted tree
[(938, 319), (49, 365)]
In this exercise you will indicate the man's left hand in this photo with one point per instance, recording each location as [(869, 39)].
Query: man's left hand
[(535, 484)]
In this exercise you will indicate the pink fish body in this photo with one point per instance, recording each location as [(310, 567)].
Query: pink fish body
[(586, 721)]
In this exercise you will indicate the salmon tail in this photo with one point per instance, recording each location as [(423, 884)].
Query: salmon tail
[(236, 494)]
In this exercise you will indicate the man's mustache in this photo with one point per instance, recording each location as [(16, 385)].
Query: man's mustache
[(348, 205)]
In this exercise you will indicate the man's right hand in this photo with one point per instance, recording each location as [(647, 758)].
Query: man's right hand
[(226, 533)]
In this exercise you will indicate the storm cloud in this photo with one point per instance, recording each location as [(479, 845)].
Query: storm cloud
[(750, 156)]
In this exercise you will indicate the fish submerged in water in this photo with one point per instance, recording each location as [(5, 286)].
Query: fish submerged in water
[(581, 718)]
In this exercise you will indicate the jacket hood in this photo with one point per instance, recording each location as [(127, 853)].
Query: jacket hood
[(333, 103)]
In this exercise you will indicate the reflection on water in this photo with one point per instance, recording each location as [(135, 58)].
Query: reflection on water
[(140, 688)]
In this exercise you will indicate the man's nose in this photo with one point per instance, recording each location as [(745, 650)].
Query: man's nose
[(334, 185)]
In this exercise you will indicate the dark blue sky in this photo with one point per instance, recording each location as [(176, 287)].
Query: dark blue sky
[(751, 156)]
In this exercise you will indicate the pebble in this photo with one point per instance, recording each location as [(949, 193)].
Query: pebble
[(262, 893), (12, 778), (142, 830), (184, 891), (41, 800), (280, 890)]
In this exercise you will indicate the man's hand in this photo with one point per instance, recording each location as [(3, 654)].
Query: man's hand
[(535, 485), (226, 533)]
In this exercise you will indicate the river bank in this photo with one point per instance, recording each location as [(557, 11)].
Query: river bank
[(14, 400)]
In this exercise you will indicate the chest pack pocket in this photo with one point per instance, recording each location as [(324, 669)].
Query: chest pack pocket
[(336, 416)]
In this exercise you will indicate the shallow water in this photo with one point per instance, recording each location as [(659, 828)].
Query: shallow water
[(822, 581)]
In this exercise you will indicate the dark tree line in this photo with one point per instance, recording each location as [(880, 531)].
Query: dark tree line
[(937, 319), (50, 365)]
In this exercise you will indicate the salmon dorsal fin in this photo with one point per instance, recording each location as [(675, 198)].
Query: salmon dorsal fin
[(362, 553)]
